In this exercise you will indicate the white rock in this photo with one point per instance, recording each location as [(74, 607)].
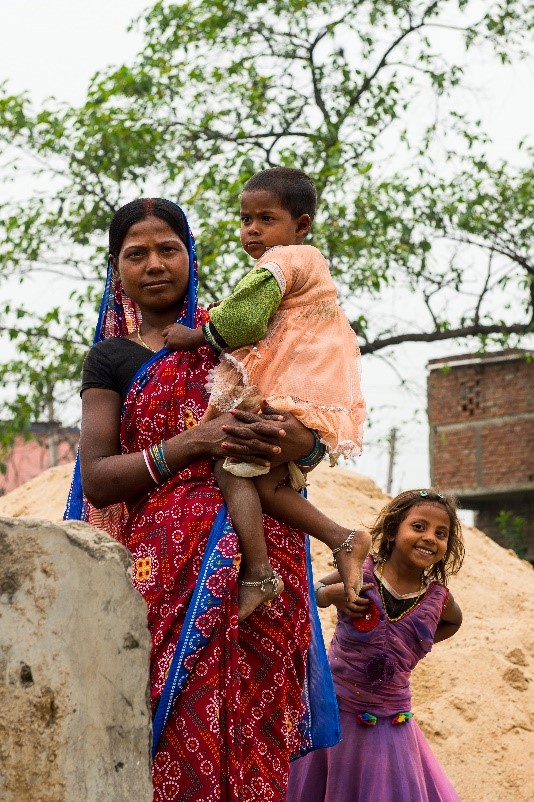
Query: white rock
[(74, 655)]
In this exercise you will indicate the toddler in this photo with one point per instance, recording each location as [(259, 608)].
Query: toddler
[(283, 338)]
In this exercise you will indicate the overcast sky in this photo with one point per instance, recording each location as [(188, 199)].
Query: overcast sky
[(52, 48)]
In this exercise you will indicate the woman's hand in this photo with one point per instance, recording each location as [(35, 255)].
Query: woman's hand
[(109, 476), (274, 434)]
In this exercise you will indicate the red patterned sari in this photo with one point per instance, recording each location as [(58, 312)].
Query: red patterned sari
[(248, 698), (235, 723)]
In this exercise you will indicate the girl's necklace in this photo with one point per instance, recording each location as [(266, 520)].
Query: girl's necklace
[(143, 342), (409, 610)]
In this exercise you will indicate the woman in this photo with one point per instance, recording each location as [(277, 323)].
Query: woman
[(232, 705)]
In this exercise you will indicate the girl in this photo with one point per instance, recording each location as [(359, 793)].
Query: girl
[(282, 336), (379, 638)]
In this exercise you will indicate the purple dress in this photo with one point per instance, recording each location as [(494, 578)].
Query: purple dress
[(371, 667)]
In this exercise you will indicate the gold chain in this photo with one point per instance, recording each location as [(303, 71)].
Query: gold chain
[(409, 610), (143, 342)]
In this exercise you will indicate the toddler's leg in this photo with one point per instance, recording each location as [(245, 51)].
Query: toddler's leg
[(210, 413), (258, 581), (285, 504)]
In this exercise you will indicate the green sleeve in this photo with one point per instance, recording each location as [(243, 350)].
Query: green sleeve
[(243, 317)]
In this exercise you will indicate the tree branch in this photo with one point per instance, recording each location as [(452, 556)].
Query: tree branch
[(318, 95), (383, 61), (476, 315), (38, 332), (494, 248), (448, 334)]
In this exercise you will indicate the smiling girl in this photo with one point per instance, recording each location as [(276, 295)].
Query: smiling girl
[(404, 609)]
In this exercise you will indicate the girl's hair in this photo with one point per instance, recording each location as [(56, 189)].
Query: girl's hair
[(138, 210), (386, 526), (293, 188)]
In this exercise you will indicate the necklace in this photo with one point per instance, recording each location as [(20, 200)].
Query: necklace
[(409, 610), (143, 342)]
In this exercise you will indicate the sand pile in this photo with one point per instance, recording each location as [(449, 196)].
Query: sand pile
[(474, 695), (42, 497)]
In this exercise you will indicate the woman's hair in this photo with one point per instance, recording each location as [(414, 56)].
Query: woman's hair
[(138, 210), (386, 526), (293, 188)]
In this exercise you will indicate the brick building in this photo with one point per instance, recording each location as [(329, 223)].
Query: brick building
[(481, 416)]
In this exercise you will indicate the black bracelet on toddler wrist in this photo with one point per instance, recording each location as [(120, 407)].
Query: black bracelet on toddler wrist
[(315, 456), (213, 338)]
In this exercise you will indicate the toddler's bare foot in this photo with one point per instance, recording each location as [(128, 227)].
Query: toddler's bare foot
[(253, 592), (349, 556)]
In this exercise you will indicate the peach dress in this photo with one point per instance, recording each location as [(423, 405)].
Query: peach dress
[(308, 362)]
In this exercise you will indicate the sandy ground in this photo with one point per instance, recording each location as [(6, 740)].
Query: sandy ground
[(474, 695)]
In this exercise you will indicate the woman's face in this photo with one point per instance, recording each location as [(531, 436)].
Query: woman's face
[(153, 265)]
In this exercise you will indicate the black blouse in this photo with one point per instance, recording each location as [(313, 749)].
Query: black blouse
[(112, 364)]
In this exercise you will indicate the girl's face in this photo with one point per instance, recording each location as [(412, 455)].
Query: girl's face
[(153, 265), (264, 223), (422, 537)]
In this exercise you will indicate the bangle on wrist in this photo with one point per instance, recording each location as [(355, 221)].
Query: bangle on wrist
[(156, 463), (151, 467), (316, 588), (315, 456)]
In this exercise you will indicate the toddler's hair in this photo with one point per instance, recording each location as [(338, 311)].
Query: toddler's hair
[(386, 526), (293, 188), (137, 210)]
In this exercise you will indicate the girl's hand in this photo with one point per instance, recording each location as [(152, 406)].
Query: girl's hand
[(182, 338), (450, 620), (335, 594)]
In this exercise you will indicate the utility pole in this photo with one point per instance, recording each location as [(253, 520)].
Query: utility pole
[(392, 441), (52, 432)]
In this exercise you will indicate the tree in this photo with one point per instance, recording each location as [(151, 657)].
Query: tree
[(358, 93)]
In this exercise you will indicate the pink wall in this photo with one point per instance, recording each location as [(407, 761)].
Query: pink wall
[(28, 458)]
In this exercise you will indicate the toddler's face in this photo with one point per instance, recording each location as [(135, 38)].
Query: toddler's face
[(264, 223)]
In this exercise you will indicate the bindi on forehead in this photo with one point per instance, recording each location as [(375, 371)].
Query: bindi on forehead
[(151, 227)]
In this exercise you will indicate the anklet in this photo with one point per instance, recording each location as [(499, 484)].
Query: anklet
[(273, 580), (345, 546)]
